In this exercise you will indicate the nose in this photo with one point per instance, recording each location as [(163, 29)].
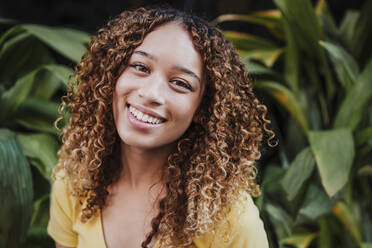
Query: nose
[(153, 91)]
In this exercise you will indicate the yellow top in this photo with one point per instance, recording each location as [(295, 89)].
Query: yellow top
[(245, 228)]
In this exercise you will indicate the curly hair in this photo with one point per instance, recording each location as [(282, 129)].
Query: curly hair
[(213, 162)]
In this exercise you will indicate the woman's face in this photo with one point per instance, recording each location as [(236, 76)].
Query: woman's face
[(156, 97)]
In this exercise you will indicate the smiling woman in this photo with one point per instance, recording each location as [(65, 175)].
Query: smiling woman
[(163, 136)]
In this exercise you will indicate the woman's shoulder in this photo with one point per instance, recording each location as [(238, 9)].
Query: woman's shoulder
[(62, 194), (242, 227)]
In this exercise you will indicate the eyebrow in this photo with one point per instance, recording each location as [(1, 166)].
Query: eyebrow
[(178, 68), (145, 54)]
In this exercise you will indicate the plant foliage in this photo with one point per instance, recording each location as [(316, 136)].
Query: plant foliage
[(31, 84), (315, 76)]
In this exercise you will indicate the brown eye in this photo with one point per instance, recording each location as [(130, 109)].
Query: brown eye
[(182, 84), (140, 68)]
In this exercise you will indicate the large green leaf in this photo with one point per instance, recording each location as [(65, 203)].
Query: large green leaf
[(315, 204), (16, 191), (20, 55), (346, 67), (38, 114), (286, 98), (41, 149), (334, 155), (280, 219), (352, 108), (60, 40), (13, 98), (298, 172)]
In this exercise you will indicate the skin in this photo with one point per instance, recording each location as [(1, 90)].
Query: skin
[(164, 75)]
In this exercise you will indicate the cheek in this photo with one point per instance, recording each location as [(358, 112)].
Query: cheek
[(185, 109)]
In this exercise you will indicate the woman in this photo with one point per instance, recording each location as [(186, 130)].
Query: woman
[(163, 135)]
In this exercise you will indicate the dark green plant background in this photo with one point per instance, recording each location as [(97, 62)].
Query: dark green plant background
[(314, 72)]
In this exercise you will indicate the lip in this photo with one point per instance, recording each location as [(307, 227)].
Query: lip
[(139, 124), (147, 111)]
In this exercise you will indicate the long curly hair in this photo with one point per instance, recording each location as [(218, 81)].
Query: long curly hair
[(213, 162)]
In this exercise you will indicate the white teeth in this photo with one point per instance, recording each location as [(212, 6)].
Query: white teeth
[(144, 117)]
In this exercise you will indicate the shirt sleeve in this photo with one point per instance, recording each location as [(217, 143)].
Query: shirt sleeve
[(61, 215), (249, 229)]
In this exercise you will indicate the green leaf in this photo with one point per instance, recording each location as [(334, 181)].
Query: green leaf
[(49, 79), (60, 71), (302, 240), (280, 219), (304, 32), (298, 172), (266, 56), (326, 19), (248, 42), (41, 149), (19, 56), (13, 98), (315, 205), (16, 95), (254, 68), (286, 98), (346, 67), (352, 108), (16, 190), (74, 34), (345, 215), (40, 215), (348, 26), (325, 233), (334, 155), (303, 22), (38, 114), (268, 18), (11, 32), (366, 245), (363, 136), (58, 39), (291, 57), (360, 44)]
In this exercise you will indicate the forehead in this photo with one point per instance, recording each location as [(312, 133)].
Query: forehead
[(173, 41)]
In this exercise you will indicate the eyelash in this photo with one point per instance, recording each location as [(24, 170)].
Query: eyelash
[(145, 69), (183, 84), (135, 66)]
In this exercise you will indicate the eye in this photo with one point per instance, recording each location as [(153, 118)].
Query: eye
[(183, 84), (140, 68)]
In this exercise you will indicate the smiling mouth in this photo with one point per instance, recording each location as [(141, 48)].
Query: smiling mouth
[(146, 118)]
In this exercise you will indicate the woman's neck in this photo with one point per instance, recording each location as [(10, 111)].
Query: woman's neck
[(142, 168)]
